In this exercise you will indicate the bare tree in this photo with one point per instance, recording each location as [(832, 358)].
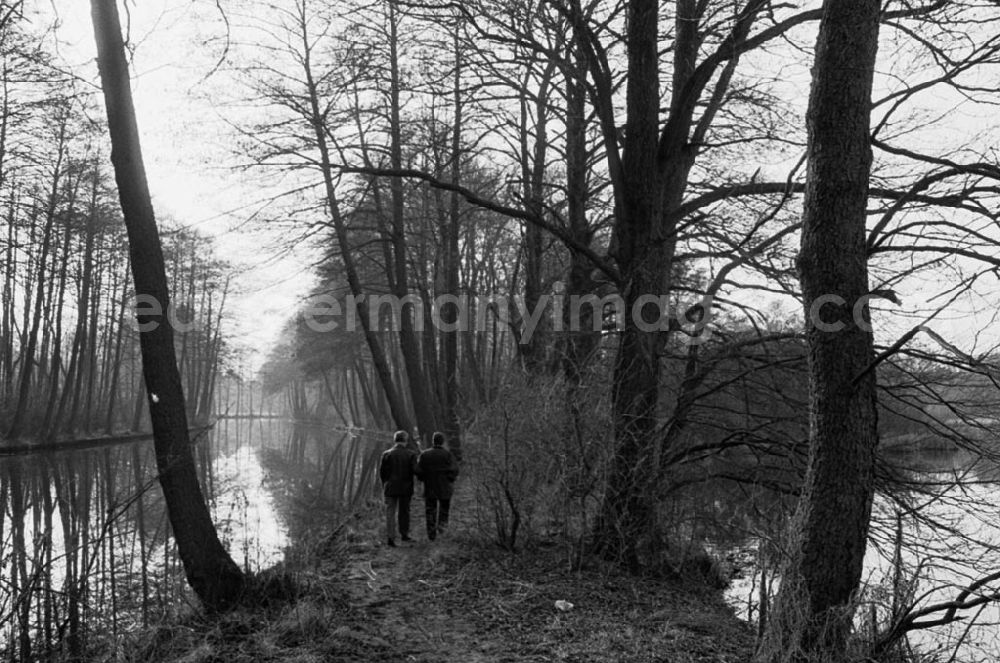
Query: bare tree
[(813, 610), (211, 572)]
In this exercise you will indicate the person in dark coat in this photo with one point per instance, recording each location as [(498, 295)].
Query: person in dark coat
[(438, 469), (396, 470)]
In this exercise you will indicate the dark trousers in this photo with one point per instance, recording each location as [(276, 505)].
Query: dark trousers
[(437, 516), (397, 506)]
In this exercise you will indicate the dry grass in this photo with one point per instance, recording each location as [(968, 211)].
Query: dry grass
[(354, 599)]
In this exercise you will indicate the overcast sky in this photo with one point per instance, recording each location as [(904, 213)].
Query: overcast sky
[(188, 150), (189, 157)]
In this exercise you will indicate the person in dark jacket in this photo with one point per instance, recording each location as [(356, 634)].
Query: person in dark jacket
[(396, 470), (438, 469)]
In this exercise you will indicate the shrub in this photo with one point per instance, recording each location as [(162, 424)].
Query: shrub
[(538, 453)]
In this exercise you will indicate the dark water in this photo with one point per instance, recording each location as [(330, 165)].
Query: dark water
[(84, 538)]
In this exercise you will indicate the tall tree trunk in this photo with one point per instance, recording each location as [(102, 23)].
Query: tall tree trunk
[(579, 345), (30, 347), (77, 359), (317, 118), (89, 356), (210, 570), (533, 342), (812, 614), (409, 342), (649, 179), (49, 423), (450, 265), (9, 260), (214, 351), (626, 517), (7, 309), (116, 361)]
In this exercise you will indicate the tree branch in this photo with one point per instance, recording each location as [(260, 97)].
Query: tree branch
[(484, 203)]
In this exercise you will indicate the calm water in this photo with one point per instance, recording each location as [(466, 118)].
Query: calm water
[(84, 540), (950, 533)]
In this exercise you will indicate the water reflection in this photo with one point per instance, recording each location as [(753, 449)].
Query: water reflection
[(927, 544), (244, 510), (84, 545)]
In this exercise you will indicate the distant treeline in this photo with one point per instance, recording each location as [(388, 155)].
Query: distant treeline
[(69, 357)]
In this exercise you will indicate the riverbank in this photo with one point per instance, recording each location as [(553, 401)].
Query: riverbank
[(23, 446), (455, 599)]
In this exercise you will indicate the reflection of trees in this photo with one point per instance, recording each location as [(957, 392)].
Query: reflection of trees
[(85, 551), (83, 544), (937, 471), (326, 465)]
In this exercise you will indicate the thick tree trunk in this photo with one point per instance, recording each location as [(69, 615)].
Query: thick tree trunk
[(210, 571), (580, 345), (533, 343), (627, 516), (813, 610)]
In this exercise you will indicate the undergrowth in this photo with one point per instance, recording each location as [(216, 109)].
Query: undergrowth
[(343, 596)]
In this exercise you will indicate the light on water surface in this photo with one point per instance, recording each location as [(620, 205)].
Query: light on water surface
[(84, 534), (951, 537), (245, 512)]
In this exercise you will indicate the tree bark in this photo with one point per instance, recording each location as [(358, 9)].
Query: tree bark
[(209, 569), (580, 345), (812, 615), (626, 516), (451, 264)]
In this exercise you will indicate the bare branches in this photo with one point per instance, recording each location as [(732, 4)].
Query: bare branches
[(940, 613), (493, 206)]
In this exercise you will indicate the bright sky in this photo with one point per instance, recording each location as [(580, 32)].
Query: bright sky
[(189, 153), (189, 150)]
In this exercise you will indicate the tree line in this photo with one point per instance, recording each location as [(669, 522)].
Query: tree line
[(632, 149), (620, 150), (69, 353)]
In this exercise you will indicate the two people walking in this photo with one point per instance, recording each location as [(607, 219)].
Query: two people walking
[(400, 466)]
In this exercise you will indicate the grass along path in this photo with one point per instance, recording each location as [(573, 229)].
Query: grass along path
[(457, 599)]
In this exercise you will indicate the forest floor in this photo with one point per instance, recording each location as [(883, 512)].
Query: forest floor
[(455, 599)]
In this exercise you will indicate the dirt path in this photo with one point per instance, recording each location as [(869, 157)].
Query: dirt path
[(411, 602), (460, 600)]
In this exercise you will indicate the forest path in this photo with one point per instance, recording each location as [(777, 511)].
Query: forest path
[(458, 599), (412, 602)]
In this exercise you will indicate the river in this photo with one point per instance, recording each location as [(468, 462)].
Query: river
[(84, 538), (923, 551), (84, 545)]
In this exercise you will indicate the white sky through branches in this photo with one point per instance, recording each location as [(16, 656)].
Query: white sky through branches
[(190, 155), (191, 158)]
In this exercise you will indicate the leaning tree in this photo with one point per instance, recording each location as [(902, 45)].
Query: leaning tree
[(211, 572)]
